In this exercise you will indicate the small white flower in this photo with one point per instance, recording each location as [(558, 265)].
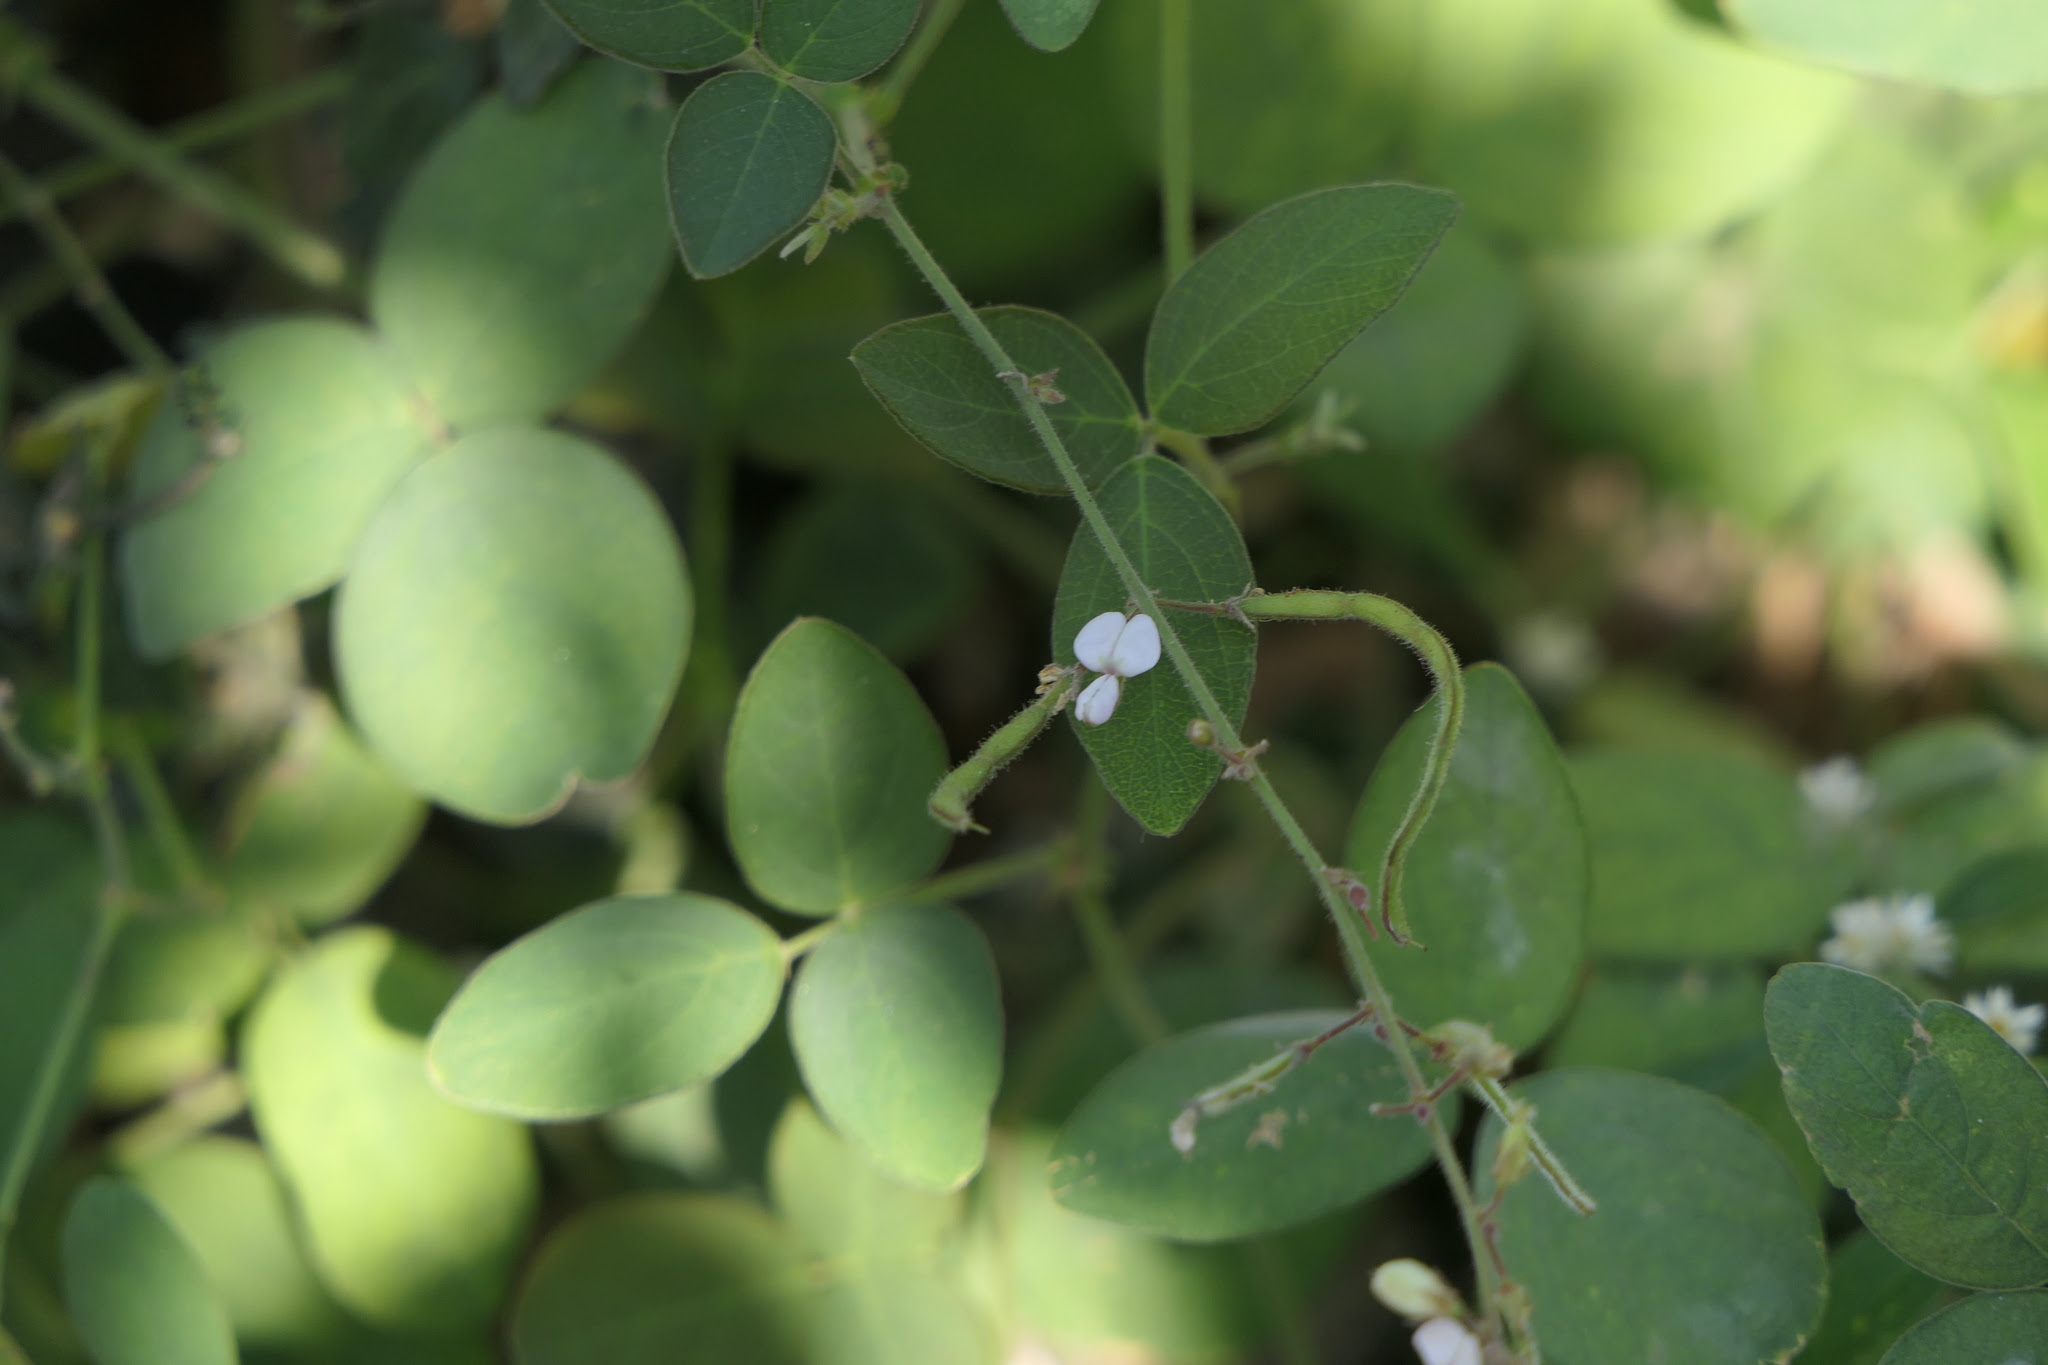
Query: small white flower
[(1446, 1341), (2018, 1024), (1117, 647), (1897, 931), (1837, 792)]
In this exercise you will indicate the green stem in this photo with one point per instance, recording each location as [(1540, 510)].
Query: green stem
[(304, 254), (991, 873), (166, 830), (1208, 471), (797, 945), (33, 202), (1107, 956), (203, 131), (888, 96), (1176, 135), (192, 1110), (952, 801)]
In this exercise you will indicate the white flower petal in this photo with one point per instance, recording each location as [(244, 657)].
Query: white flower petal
[(1446, 1341), (1093, 645), (1097, 702), (1136, 649)]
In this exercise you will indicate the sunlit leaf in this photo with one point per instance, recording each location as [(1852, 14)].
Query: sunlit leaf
[(315, 423), (1982, 47), (898, 1029), (178, 966), (135, 1289), (2007, 1328), (834, 40), (1050, 25), (516, 618), (829, 763), (1186, 548), (526, 247), (841, 1206), (413, 1208), (612, 1003), (1703, 1249), (748, 157), (1260, 312), (1931, 1122), (669, 35), (945, 393), (1496, 882)]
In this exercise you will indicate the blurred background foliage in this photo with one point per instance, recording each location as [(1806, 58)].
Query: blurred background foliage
[(1722, 417)]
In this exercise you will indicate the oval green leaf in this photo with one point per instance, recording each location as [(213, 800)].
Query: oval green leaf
[(137, 1294), (834, 40), (1253, 320), (652, 1279), (668, 35), (1496, 882), (897, 1024), (2009, 1329), (1981, 47), (317, 424), (1187, 548), (516, 618), (320, 826), (1698, 855), (413, 1209), (526, 247), (748, 157), (182, 966), (1310, 1146), (618, 1001), (935, 382), (1050, 25), (829, 762), (1929, 1119), (841, 1206), (1703, 1250)]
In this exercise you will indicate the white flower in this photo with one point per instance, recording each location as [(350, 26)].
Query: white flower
[(1898, 931), (1414, 1290), (1837, 792), (1446, 1341), (1117, 647), (2018, 1024)]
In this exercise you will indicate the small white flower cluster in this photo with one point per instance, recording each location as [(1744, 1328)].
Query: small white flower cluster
[(1876, 936), (1117, 647), (1838, 793), (2018, 1024)]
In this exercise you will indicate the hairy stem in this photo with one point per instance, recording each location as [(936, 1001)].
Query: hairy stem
[(1177, 136)]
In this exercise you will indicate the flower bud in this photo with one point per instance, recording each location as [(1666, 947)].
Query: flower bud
[(1446, 1341), (1415, 1291), (1201, 733)]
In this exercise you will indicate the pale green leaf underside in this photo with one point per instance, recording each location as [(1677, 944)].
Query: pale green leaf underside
[(935, 382), (615, 1002), (898, 1029), (668, 35), (1496, 883), (1050, 25), (748, 157), (1704, 1249), (834, 40), (1186, 548), (1309, 1147), (1983, 47), (136, 1292), (828, 766), (516, 618), (1999, 1329), (1255, 318), (1931, 1122)]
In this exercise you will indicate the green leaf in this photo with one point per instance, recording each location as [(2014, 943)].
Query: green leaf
[(747, 159), (618, 1001), (897, 1025), (1981, 47), (1254, 319), (834, 40), (320, 826), (668, 35), (843, 1208), (827, 769), (1496, 883), (1872, 1297), (318, 423), (1050, 25), (2007, 1328), (1659, 1021), (413, 1209), (1309, 1147), (887, 1314), (1929, 1119), (1186, 548), (136, 1292), (181, 966), (534, 48), (515, 619), (652, 1279), (526, 248), (224, 1198), (932, 379), (1698, 855), (1999, 908), (1703, 1251)]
